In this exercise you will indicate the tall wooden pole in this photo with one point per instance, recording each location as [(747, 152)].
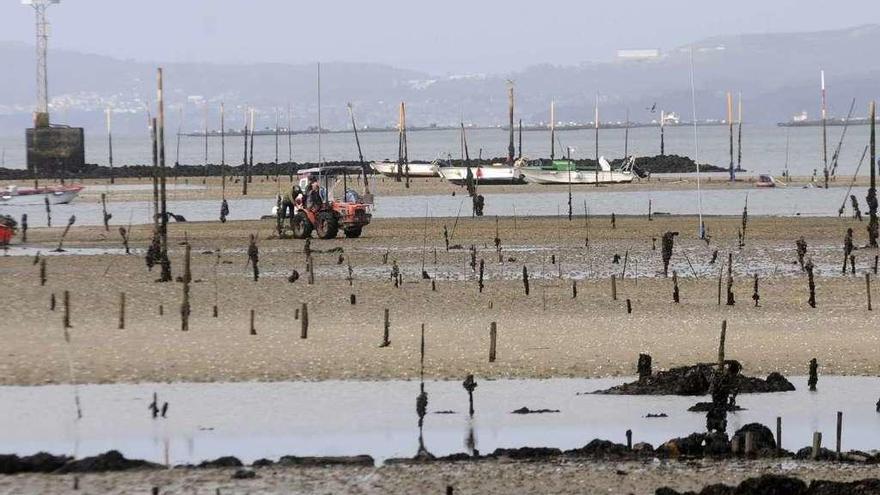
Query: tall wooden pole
[(596, 119), (110, 145), (166, 267), (552, 130), (872, 191), (825, 131), (357, 141), (730, 129), (662, 133), (511, 151), (739, 137)]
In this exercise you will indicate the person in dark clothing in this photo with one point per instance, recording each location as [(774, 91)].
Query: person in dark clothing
[(314, 199)]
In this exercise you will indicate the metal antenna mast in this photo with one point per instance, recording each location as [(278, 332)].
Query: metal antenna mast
[(41, 117)]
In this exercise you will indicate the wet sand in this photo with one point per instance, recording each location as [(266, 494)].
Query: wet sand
[(562, 477), (545, 334)]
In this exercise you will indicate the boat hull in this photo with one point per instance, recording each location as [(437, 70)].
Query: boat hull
[(540, 176), (482, 175), (56, 197), (389, 169)]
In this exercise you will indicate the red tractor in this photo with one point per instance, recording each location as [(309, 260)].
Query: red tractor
[(351, 214)]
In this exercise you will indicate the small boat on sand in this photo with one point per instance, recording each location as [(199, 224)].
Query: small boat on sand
[(57, 195), (416, 169), (496, 173), (765, 180), (567, 172)]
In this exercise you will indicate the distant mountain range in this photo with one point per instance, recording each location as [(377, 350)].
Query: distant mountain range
[(777, 74)]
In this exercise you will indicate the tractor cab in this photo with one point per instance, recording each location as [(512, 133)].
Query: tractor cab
[(341, 206)]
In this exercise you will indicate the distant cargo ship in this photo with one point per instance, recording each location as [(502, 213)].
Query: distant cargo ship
[(802, 120)]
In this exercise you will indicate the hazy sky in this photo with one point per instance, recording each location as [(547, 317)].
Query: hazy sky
[(440, 37)]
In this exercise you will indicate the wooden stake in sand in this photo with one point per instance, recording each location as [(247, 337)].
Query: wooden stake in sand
[(253, 328), (778, 435), (24, 228), (304, 315), (187, 278), (52, 302), (66, 320), (613, 287), (525, 278), (481, 276), (124, 234), (755, 296), (574, 289), (493, 336), (253, 253), (839, 432), (107, 216), (730, 299), (42, 272), (121, 311), (70, 223), (48, 211), (817, 445), (868, 289), (811, 283), (721, 344), (386, 332), (675, 293)]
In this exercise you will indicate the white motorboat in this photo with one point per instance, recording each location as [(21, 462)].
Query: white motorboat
[(496, 173), (566, 172), (389, 169), (57, 195)]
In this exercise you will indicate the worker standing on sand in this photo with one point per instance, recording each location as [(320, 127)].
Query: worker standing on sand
[(286, 208)]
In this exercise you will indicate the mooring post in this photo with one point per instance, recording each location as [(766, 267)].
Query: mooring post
[(42, 272), (352, 299), (778, 435), (629, 308), (629, 440), (185, 308), (304, 314), (493, 336), (253, 329), (839, 432), (817, 445), (121, 310), (67, 309), (574, 289), (676, 295), (749, 444), (868, 289), (161, 310), (721, 344), (52, 302), (386, 332), (613, 287)]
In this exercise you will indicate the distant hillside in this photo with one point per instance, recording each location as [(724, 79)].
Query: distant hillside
[(778, 75)]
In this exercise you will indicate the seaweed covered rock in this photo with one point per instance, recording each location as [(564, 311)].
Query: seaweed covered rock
[(109, 461), (222, 462), (860, 487), (696, 445), (37, 463), (763, 441), (695, 380), (600, 449), (767, 484), (527, 453), (668, 164), (355, 460)]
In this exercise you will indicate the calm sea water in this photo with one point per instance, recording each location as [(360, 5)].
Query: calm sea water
[(764, 146), (253, 420)]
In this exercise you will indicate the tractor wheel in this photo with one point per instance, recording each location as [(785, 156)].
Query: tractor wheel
[(353, 232), (301, 226), (328, 226)]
